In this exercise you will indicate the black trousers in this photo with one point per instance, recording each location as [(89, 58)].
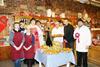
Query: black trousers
[(49, 42), (70, 45), (29, 62), (82, 59)]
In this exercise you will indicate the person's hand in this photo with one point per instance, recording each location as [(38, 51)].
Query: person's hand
[(20, 46), (17, 48), (65, 41), (87, 47), (27, 48), (23, 40), (24, 47)]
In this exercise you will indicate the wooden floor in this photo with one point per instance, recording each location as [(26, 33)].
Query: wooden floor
[(9, 63)]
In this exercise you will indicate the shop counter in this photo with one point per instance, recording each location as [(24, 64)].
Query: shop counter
[(5, 52)]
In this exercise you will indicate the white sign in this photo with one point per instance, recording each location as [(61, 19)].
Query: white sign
[(1, 2), (82, 1), (62, 15), (49, 13)]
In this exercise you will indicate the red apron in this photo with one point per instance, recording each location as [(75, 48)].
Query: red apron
[(17, 39), (29, 54), (35, 33)]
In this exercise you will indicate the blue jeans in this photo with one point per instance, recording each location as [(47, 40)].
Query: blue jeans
[(17, 63)]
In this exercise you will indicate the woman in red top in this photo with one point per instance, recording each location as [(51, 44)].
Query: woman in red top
[(28, 48), (16, 40), (34, 31)]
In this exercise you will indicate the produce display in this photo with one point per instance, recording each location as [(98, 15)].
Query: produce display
[(55, 49)]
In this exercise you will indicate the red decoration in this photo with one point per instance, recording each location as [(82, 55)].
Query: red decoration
[(3, 23), (58, 18), (77, 35)]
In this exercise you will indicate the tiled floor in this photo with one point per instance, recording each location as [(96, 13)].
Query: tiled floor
[(9, 63)]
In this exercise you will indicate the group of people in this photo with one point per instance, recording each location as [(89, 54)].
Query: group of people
[(26, 40)]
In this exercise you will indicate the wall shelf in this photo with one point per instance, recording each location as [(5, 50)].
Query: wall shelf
[(95, 29)]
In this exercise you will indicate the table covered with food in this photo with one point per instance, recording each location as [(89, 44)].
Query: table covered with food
[(54, 56)]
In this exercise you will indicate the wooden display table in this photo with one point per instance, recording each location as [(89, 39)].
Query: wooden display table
[(5, 53)]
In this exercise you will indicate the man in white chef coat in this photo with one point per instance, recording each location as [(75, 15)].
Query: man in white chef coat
[(82, 35)]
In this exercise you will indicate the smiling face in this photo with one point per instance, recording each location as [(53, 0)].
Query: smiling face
[(66, 22), (57, 24), (22, 25), (80, 23), (16, 26), (28, 31), (38, 23), (48, 23), (61, 24), (33, 22)]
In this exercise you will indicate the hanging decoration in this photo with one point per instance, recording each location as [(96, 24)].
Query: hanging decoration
[(3, 23)]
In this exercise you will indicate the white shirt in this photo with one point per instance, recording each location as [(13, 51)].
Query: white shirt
[(40, 35), (83, 38), (55, 31)]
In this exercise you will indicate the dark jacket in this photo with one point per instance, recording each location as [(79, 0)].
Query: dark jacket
[(68, 33)]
